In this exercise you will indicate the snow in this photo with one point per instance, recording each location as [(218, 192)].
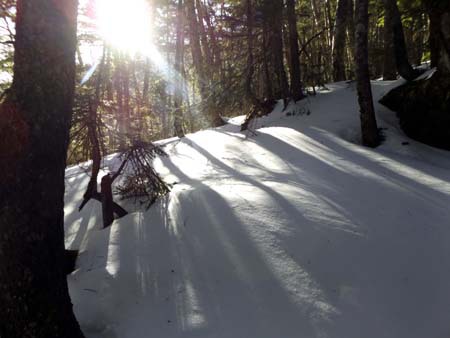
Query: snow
[(296, 232)]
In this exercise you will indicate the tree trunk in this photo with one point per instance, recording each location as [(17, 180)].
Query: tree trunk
[(329, 22), (369, 127), (294, 69), (178, 95), (204, 37), (146, 84), (389, 66), (434, 36), (93, 134), (401, 55), (109, 85), (351, 37), (194, 43), (126, 99), (250, 56), (339, 41), (267, 83), (92, 130), (439, 14), (34, 124), (120, 102), (107, 200), (421, 27), (213, 39), (198, 61), (273, 17)]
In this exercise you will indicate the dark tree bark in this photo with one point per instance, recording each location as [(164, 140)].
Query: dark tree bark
[(351, 27), (369, 129), (267, 83), (105, 197), (439, 14), (434, 36), (250, 56), (401, 55), (294, 69), (338, 50), (273, 17), (34, 127), (70, 261), (107, 200), (389, 65)]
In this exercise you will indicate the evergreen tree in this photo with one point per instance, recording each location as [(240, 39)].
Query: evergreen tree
[(35, 119), (369, 129), (339, 41), (398, 40), (294, 53)]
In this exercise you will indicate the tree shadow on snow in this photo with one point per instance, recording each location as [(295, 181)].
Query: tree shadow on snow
[(393, 280)]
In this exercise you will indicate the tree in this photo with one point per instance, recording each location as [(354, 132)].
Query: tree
[(398, 40), (179, 54), (351, 28), (389, 65), (272, 26), (423, 106), (369, 127), (140, 181), (339, 41), (439, 14), (250, 95), (199, 63), (294, 68), (35, 120)]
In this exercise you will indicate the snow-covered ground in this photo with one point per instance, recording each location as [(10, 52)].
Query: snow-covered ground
[(296, 232)]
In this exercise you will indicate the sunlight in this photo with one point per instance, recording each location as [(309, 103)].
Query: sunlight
[(418, 176), (125, 24), (113, 256)]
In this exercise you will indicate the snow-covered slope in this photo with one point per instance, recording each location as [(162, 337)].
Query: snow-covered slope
[(296, 232)]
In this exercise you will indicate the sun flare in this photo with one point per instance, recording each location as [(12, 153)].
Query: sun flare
[(126, 24)]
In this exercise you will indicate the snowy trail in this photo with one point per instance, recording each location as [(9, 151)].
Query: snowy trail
[(296, 232)]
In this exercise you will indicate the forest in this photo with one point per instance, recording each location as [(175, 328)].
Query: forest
[(171, 168)]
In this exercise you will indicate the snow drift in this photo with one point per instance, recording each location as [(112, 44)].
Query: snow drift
[(296, 232)]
